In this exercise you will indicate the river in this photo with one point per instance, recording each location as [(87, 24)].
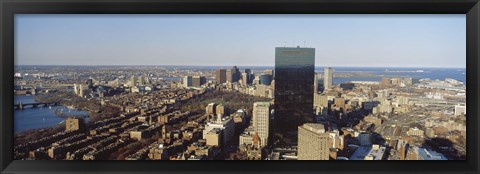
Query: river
[(41, 117)]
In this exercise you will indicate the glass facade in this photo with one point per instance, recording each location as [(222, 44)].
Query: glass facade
[(266, 79), (294, 87)]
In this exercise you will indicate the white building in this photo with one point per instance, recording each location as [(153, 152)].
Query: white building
[(374, 152), (226, 124), (328, 78), (261, 120), (460, 109)]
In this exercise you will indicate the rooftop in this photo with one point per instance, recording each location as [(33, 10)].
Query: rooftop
[(314, 127)]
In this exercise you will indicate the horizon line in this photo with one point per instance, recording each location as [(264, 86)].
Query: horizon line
[(259, 66)]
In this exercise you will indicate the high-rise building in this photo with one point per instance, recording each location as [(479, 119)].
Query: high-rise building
[(266, 79), (233, 74), (313, 142), (225, 124), (221, 76), (245, 78), (261, 121), (294, 76), (328, 78), (198, 81), (229, 74), (187, 81), (249, 75)]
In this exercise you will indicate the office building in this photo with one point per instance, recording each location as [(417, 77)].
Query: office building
[(229, 74), (328, 78), (245, 79), (261, 121), (320, 100), (313, 142), (225, 124), (221, 76), (266, 79), (233, 74), (294, 76), (187, 81), (249, 76), (198, 81)]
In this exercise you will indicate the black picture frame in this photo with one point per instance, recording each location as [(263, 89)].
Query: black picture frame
[(11, 7)]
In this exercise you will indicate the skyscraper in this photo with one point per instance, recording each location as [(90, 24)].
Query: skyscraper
[(198, 81), (327, 78), (187, 81), (245, 78), (249, 75), (294, 76), (221, 76), (313, 142), (235, 74), (266, 79), (261, 121), (229, 74)]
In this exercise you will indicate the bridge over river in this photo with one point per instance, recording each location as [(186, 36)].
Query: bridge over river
[(21, 105)]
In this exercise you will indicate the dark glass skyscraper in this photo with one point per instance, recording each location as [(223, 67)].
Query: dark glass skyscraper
[(294, 77)]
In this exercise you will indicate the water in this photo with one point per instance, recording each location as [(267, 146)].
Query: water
[(41, 117), (432, 73)]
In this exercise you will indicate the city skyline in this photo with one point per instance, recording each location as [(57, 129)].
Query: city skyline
[(429, 40), (278, 114)]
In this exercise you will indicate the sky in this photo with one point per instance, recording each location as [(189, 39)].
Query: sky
[(242, 40)]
